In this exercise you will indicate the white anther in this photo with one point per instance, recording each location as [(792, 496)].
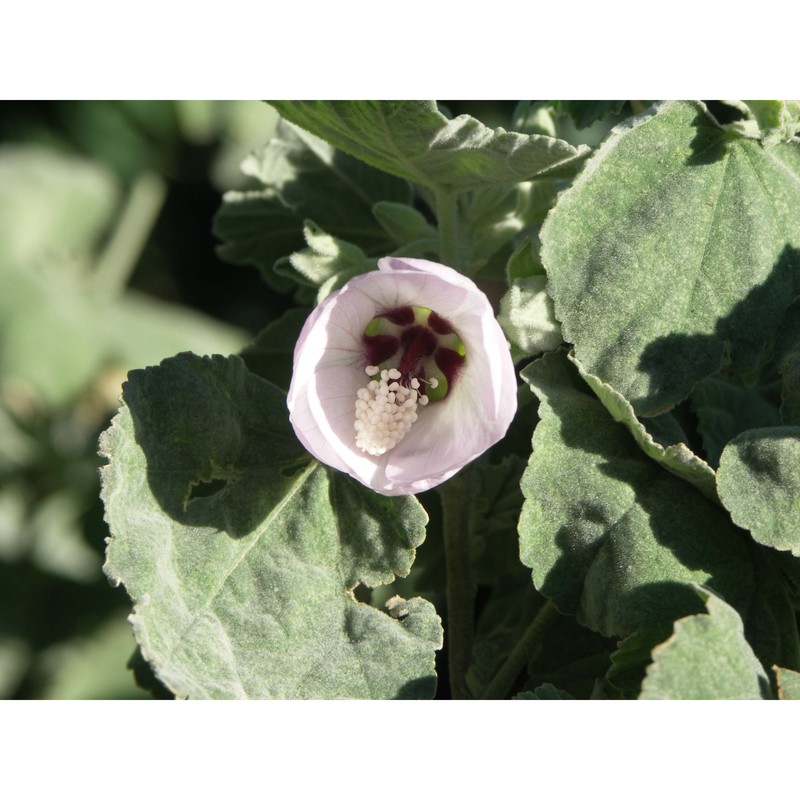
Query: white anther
[(385, 411), (434, 383)]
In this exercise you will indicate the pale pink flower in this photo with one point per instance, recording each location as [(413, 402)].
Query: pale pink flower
[(451, 392)]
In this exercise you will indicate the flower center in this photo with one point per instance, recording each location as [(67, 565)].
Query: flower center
[(413, 357)]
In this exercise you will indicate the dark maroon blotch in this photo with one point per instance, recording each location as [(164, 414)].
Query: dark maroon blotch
[(439, 324), (379, 348), (400, 316), (450, 363), (418, 344)]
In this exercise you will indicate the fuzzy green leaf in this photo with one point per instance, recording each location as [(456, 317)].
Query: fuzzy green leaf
[(677, 244), (674, 456), (414, 140), (491, 218), (302, 177), (327, 263), (405, 224), (269, 355), (586, 112), (527, 317), (241, 554), (706, 658), (759, 483), (778, 120), (787, 356), (788, 683), (316, 180), (257, 229), (616, 540), (726, 408)]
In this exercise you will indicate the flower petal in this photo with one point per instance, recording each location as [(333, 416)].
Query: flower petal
[(329, 369)]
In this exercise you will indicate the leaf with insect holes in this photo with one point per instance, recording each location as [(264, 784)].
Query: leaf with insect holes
[(241, 553)]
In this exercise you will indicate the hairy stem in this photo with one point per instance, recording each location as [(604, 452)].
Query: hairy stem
[(506, 676), (447, 217), (460, 588)]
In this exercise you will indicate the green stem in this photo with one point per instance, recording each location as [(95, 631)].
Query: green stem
[(116, 262), (460, 588), (447, 217), (505, 678)]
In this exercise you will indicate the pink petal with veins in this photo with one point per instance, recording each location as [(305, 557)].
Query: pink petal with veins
[(329, 367)]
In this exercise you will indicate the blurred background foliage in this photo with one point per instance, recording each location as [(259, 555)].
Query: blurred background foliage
[(107, 263)]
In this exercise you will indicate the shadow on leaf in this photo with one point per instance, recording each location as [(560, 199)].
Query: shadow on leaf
[(638, 537), (746, 334), (709, 143), (217, 441)]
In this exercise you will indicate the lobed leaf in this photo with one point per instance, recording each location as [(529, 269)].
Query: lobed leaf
[(726, 408), (586, 112), (674, 456), (257, 229), (242, 555), (270, 354), (326, 264), (706, 658), (414, 140), (527, 317), (759, 483), (788, 683), (778, 120), (677, 245), (616, 540), (316, 180), (302, 177)]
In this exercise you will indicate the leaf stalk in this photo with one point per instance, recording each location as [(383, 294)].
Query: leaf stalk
[(448, 223), (460, 586), (504, 680)]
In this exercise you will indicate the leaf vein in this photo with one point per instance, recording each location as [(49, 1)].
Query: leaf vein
[(299, 482)]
